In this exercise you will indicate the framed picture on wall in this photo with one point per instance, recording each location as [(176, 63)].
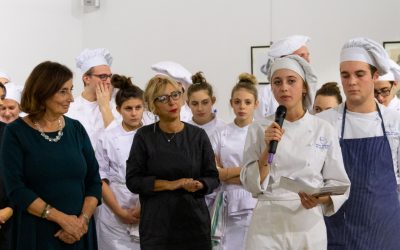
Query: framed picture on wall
[(393, 49), (258, 59)]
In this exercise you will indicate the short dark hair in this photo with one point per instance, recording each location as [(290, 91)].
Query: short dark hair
[(373, 69), (44, 81)]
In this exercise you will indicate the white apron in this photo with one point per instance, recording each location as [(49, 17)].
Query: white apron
[(112, 234), (286, 225), (112, 152), (228, 145)]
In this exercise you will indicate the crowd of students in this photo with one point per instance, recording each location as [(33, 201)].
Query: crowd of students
[(119, 167)]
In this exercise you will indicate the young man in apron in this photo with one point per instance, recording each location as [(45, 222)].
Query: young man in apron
[(369, 136)]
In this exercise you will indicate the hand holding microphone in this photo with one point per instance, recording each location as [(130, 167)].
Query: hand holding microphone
[(274, 132)]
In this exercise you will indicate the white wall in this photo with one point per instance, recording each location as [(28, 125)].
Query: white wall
[(213, 36), (331, 23), (35, 31)]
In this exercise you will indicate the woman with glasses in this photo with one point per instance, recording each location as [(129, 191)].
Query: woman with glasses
[(183, 77), (385, 87), (171, 166)]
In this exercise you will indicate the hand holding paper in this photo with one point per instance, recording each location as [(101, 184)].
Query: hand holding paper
[(299, 186)]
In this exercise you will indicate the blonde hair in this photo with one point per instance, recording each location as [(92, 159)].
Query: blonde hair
[(248, 82), (156, 85)]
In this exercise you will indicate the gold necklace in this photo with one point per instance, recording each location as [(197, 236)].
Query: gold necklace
[(48, 138)]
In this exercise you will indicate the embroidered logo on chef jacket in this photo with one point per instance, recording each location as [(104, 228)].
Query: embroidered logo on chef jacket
[(392, 130), (322, 143)]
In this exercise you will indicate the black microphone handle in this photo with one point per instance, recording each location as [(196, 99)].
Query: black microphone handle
[(280, 115), (274, 144)]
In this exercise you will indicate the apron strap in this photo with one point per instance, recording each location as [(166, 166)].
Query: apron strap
[(382, 124)]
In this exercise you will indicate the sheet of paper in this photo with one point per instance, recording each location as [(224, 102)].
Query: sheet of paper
[(299, 186)]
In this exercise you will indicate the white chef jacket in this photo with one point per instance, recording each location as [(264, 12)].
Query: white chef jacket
[(112, 151), (267, 103), (363, 125), (309, 150), (395, 104), (228, 145), (89, 115), (211, 126)]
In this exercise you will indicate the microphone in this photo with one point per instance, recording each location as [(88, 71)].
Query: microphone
[(280, 115)]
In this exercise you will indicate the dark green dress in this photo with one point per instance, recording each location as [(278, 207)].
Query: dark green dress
[(62, 173)]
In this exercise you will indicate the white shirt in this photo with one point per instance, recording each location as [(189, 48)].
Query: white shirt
[(395, 104), (228, 145), (309, 150), (267, 103), (211, 126), (363, 125), (89, 115)]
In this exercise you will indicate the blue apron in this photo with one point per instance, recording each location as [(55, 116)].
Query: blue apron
[(370, 219)]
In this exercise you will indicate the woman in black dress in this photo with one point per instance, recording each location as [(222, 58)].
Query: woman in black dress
[(171, 166)]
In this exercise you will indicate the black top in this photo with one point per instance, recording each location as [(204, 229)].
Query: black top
[(172, 219), (62, 173), (3, 198), (6, 229)]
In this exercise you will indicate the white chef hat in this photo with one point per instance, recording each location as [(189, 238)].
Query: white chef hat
[(301, 67), (173, 70), (366, 50), (3, 74), (393, 74), (93, 57), (13, 92), (287, 45), (283, 47)]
